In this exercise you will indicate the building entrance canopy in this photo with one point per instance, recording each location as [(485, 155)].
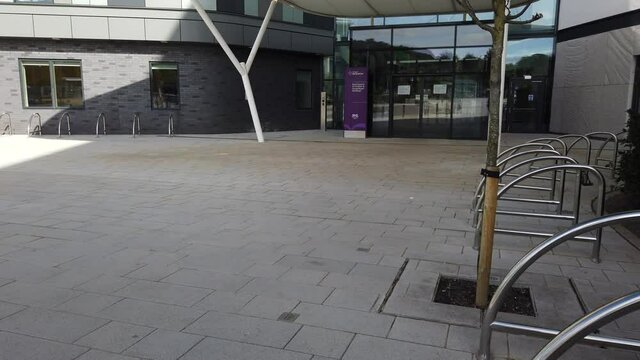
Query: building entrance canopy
[(338, 8), (373, 8)]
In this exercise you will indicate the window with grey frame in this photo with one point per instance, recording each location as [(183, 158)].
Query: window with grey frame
[(165, 85), (51, 83), (304, 91)]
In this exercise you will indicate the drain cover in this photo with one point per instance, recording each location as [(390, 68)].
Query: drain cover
[(288, 317)]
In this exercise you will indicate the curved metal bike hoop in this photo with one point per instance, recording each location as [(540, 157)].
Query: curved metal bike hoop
[(39, 127), (171, 128), (531, 257), (503, 162), (616, 143), (552, 140), (68, 117), (102, 117), (477, 203), (515, 149), (578, 138), (136, 121), (8, 115), (588, 324)]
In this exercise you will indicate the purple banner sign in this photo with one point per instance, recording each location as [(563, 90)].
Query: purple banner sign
[(356, 84)]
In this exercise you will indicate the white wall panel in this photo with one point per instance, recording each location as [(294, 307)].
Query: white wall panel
[(52, 26), (576, 12), (85, 27)]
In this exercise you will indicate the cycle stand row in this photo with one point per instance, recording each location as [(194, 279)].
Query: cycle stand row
[(66, 117), (583, 330), (535, 175)]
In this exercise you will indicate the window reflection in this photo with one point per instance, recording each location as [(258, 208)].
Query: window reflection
[(475, 59), (37, 85), (425, 61), (371, 39), (472, 35), (470, 106), (68, 85), (164, 86), (436, 36), (529, 56)]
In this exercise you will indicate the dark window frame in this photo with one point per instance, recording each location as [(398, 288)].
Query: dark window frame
[(52, 80), (153, 107), (310, 72), (635, 99)]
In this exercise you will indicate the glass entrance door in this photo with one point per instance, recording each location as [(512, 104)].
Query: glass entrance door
[(526, 105), (422, 106)]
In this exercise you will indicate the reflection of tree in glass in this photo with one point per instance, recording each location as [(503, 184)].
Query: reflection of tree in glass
[(536, 65)]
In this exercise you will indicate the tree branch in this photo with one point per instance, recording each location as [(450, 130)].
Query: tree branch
[(524, 10), (469, 10), (535, 17)]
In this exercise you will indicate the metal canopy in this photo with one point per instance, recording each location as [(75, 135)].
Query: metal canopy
[(372, 8)]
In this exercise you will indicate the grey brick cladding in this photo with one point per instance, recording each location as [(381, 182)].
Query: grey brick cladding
[(116, 82)]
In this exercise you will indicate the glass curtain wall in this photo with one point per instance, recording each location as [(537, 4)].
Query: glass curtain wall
[(425, 81), (408, 56)]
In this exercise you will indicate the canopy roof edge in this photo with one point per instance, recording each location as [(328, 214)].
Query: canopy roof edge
[(374, 8)]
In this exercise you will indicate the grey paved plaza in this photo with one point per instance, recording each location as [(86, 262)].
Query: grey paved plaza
[(221, 248)]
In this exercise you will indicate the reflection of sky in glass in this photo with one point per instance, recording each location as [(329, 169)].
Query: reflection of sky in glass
[(399, 20), (517, 49), (378, 35), (470, 35), (546, 7), (424, 37)]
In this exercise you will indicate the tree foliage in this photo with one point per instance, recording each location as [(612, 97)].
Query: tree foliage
[(629, 169)]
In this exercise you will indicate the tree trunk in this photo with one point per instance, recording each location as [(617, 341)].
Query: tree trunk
[(493, 139)]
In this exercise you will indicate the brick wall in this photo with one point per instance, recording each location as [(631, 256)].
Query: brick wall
[(116, 81)]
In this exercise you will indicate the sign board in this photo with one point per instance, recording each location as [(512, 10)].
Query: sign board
[(440, 89), (404, 89), (356, 90)]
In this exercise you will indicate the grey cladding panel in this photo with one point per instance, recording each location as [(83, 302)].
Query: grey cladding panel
[(322, 45), (302, 42), (16, 25), (162, 30), (280, 40), (126, 3), (232, 33), (195, 31), (126, 29), (52, 26), (90, 27), (250, 34)]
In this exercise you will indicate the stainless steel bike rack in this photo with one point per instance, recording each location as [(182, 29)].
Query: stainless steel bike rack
[(549, 141), (508, 172), (171, 128), (136, 124), (574, 217), (578, 138), (489, 322), (102, 117), (503, 162), (8, 116), (517, 148), (68, 117), (591, 322), (38, 128), (606, 138)]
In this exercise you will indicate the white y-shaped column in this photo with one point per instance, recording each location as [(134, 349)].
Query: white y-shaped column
[(243, 68)]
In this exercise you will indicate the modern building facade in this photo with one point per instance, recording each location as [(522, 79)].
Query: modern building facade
[(156, 58), (597, 73), (573, 71), (429, 74)]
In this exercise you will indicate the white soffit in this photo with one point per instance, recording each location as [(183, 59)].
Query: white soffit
[(372, 8)]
